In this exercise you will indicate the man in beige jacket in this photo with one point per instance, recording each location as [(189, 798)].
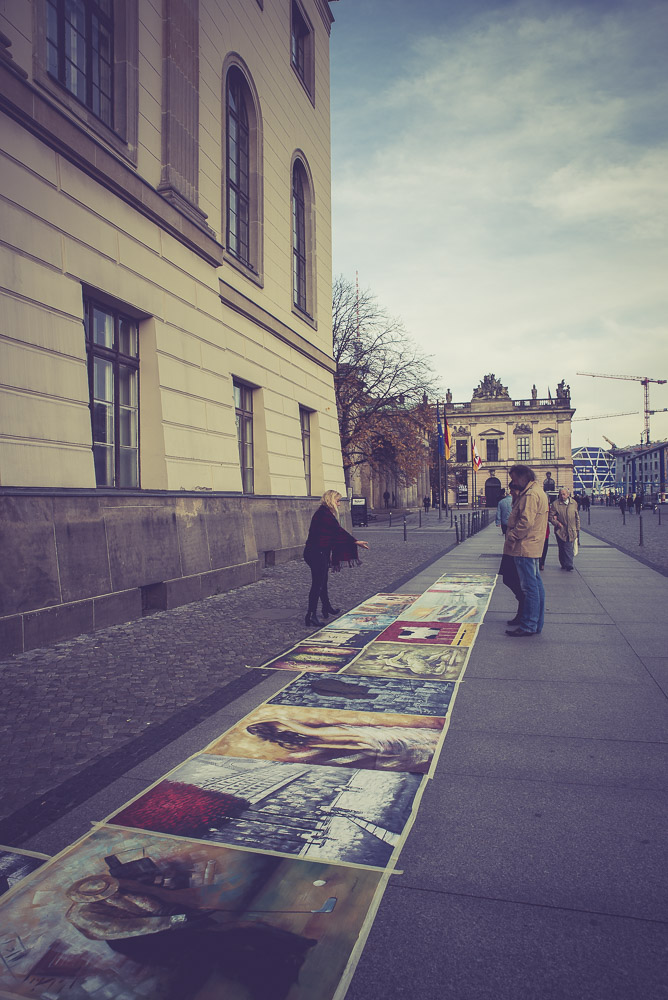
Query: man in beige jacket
[(566, 520), (524, 542)]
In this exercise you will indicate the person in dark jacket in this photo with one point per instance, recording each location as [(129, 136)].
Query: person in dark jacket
[(328, 546)]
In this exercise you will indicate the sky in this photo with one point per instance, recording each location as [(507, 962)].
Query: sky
[(500, 183)]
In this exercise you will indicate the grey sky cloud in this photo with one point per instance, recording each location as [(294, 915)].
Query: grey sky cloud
[(503, 190)]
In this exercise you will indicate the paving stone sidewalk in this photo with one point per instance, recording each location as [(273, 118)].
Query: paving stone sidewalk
[(78, 714), (607, 524)]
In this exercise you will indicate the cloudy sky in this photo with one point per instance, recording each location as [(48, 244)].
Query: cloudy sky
[(500, 180)]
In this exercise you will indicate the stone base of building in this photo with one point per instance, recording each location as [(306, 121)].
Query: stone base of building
[(75, 561)]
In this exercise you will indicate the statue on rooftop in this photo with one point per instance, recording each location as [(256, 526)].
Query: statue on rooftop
[(490, 388)]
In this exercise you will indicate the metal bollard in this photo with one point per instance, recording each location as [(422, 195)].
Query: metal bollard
[(640, 519), (457, 533), (468, 525), (419, 518), (451, 517), (390, 521), (623, 517), (404, 527)]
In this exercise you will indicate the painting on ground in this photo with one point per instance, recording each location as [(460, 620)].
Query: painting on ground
[(438, 633), (390, 659), (386, 604), (326, 813), (15, 865), (122, 916), (358, 621), (308, 656), (479, 581), (462, 606), (344, 637), (385, 742), (351, 692)]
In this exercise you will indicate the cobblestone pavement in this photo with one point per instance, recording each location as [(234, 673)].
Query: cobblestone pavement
[(78, 714), (607, 524)]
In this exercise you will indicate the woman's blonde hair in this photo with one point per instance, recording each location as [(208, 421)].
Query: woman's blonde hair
[(329, 499)]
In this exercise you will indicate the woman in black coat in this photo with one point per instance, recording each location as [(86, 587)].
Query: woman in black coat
[(328, 545)]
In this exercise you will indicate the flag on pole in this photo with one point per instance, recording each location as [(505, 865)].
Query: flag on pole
[(446, 437), (441, 440), (549, 394), (477, 461)]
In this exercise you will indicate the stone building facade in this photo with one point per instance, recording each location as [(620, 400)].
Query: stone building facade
[(534, 432), (167, 409)]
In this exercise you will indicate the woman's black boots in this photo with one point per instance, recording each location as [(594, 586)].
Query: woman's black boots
[(312, 619), (328, 610)]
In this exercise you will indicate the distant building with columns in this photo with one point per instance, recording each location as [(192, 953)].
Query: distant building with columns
[(534, 432)]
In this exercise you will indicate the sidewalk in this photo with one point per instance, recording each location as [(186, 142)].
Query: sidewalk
[(536, 867)]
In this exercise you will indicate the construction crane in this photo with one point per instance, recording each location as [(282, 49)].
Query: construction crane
[(644, 381), (601, 416)]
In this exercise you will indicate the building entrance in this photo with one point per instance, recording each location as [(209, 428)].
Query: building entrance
[(492, 491)]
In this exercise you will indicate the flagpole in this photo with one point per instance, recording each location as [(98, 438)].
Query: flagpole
[(445, 456), (440, 488)]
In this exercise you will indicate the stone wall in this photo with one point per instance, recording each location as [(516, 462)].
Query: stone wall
[(75, 561)]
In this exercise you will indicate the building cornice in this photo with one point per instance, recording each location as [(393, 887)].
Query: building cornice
[(241, 304), (22, 102)]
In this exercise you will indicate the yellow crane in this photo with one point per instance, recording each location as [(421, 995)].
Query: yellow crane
[(644, 381)]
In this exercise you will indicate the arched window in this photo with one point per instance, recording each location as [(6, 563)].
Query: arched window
[(238, 169), (302, 240), (242, 221)]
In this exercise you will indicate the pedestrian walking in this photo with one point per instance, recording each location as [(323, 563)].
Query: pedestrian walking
[(638, 502), (622, 504), (629, 503), (503, 508), (328, 546), (425, 503), (386, 498), (524, 542), (565, 517)]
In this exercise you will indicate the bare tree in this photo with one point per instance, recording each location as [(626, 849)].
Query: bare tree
[(383, 382)]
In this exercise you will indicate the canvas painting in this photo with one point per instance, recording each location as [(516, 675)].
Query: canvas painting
[(477, 580), (15, 865), (125, 915), (384, 742), (344, 637), (411, 660), (326, 813), (439, 633), (313, 656), (368, 693), (360, 622), (383, 604), (464, 607)]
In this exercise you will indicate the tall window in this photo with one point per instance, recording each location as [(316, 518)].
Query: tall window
[(462, 451), (548, 449), (238, 168), (243, 404), (305, 421), (112, 343), (493, 451), (523, 449), (298, 240), (79, 51), (299, 43)]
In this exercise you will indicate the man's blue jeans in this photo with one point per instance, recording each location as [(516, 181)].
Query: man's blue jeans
[(533, 591)]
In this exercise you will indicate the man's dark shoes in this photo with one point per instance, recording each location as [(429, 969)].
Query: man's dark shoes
[(514, 621), (518, 633)]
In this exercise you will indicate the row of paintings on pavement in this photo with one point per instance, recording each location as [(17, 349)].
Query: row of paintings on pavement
[(253, 870)]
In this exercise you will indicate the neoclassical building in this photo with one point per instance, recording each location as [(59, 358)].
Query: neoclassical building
[(167, 408), (533, 431)]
